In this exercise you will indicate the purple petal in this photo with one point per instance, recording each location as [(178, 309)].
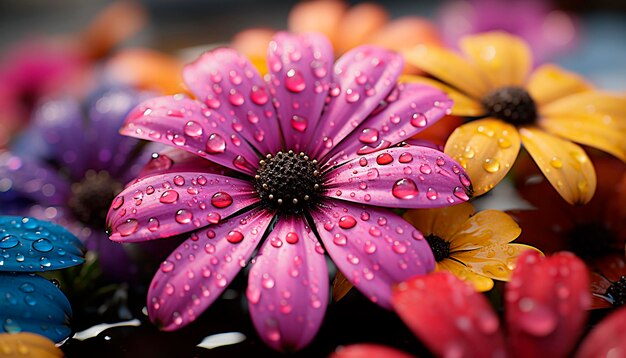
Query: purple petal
[(408, 110), (400, 177), (228, 84), (373, 247), (196, 273), (188, 124), (364, 77), (288, 286), (22, 177), (174, 203), (300, 68), (172, 160)]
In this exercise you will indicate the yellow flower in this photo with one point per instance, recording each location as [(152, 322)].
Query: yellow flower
[(545, 110), (475, 247), (26, 345)]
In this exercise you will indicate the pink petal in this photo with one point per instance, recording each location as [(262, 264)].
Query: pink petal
[(405, 177), (173, 160), (410, 109), (228, 84), (546, 303), (373, 247), (188, 124), (368, 350), (196, 273), (288, 286), (300, 69), (607, 339), (174, 203), (364, 77), (449, 316)]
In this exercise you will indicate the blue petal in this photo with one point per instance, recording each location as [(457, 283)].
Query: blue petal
[(31, 245), (30, 303)]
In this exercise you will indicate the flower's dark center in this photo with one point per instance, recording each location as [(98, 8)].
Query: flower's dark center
[(439, 246), (288, 181), (511, 104), (617, 292), (91, 198), (591, 240)]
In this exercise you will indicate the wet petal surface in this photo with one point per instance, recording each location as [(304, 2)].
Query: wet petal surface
[(408, 110), (363, 78), (31, 303), (170, 204), (227, 83), (192, 126), (199, 270), (288, 286), (31, 245), (373, 247), (300, 73), (405, 177), (449, 316), (545, 304), (28, 344)]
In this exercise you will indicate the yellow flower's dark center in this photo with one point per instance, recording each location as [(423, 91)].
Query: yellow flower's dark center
[(288, 181), (591, 240), (439, 246), (617, 292), (511, 104), (91, 197)]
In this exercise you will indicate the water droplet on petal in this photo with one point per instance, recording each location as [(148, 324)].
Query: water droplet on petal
[(384, 159), (169, 197), (404, 189), (42, 245), (369, 135), (234, 237), (418, 120), (153, 224), (8, 242), (167, 266), (405, 157), (235, 98), (258, 95), (298, 123), (183, 216), (537, 319), (213, 217), (215, 144), (128, 227), (425, 169), (221, 200), (460, 193), (294, 81), (292, 238), (491, 165), (340, 239), (117, 202), (347, 222), (193, 129)]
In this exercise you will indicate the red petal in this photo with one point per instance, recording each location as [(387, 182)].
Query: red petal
[(607, 339), (449, 316), (368, 350), (546, 303)]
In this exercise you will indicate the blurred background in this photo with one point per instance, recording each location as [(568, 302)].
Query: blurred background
[(597, 48)]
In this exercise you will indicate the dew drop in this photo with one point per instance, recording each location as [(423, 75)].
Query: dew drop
[(418, 120), (213, 217), (179, 180), (27, 287), (299, 123), (215, 144), (537, 319), (169, 197), (8, 242), (193, 129), (369, 135), (347, 222), (425, 169), (235, 98), (363, 161), (128, 227), (153, 224), (352, 95), (167, 266), (405, 157), (42, 245), (258, 95), (340, 239), (460, 193), (234, 237), (221, 200), (117, 202), (432, 194), (404, 189), (556, 163), (294, 81), (372, 173), (183, 216), (292, 238), (384, 159), (491, 165)]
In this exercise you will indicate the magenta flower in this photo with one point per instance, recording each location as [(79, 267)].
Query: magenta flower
[(304, 161)]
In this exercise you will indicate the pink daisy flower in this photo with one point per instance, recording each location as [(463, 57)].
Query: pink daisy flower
[(304, 161)]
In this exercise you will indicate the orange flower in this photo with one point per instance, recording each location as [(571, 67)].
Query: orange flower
[(545, 111), (27, 345)]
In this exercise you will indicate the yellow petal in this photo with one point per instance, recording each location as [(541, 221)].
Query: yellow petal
[(588, 103), (604, 133), (25, 345), (487, 149), (481, 283), (442, 222), (504, 59), (489, 227), (449, 68), (463, 105), (550, 82), (564, 164), (494, 261), (341, 286)]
